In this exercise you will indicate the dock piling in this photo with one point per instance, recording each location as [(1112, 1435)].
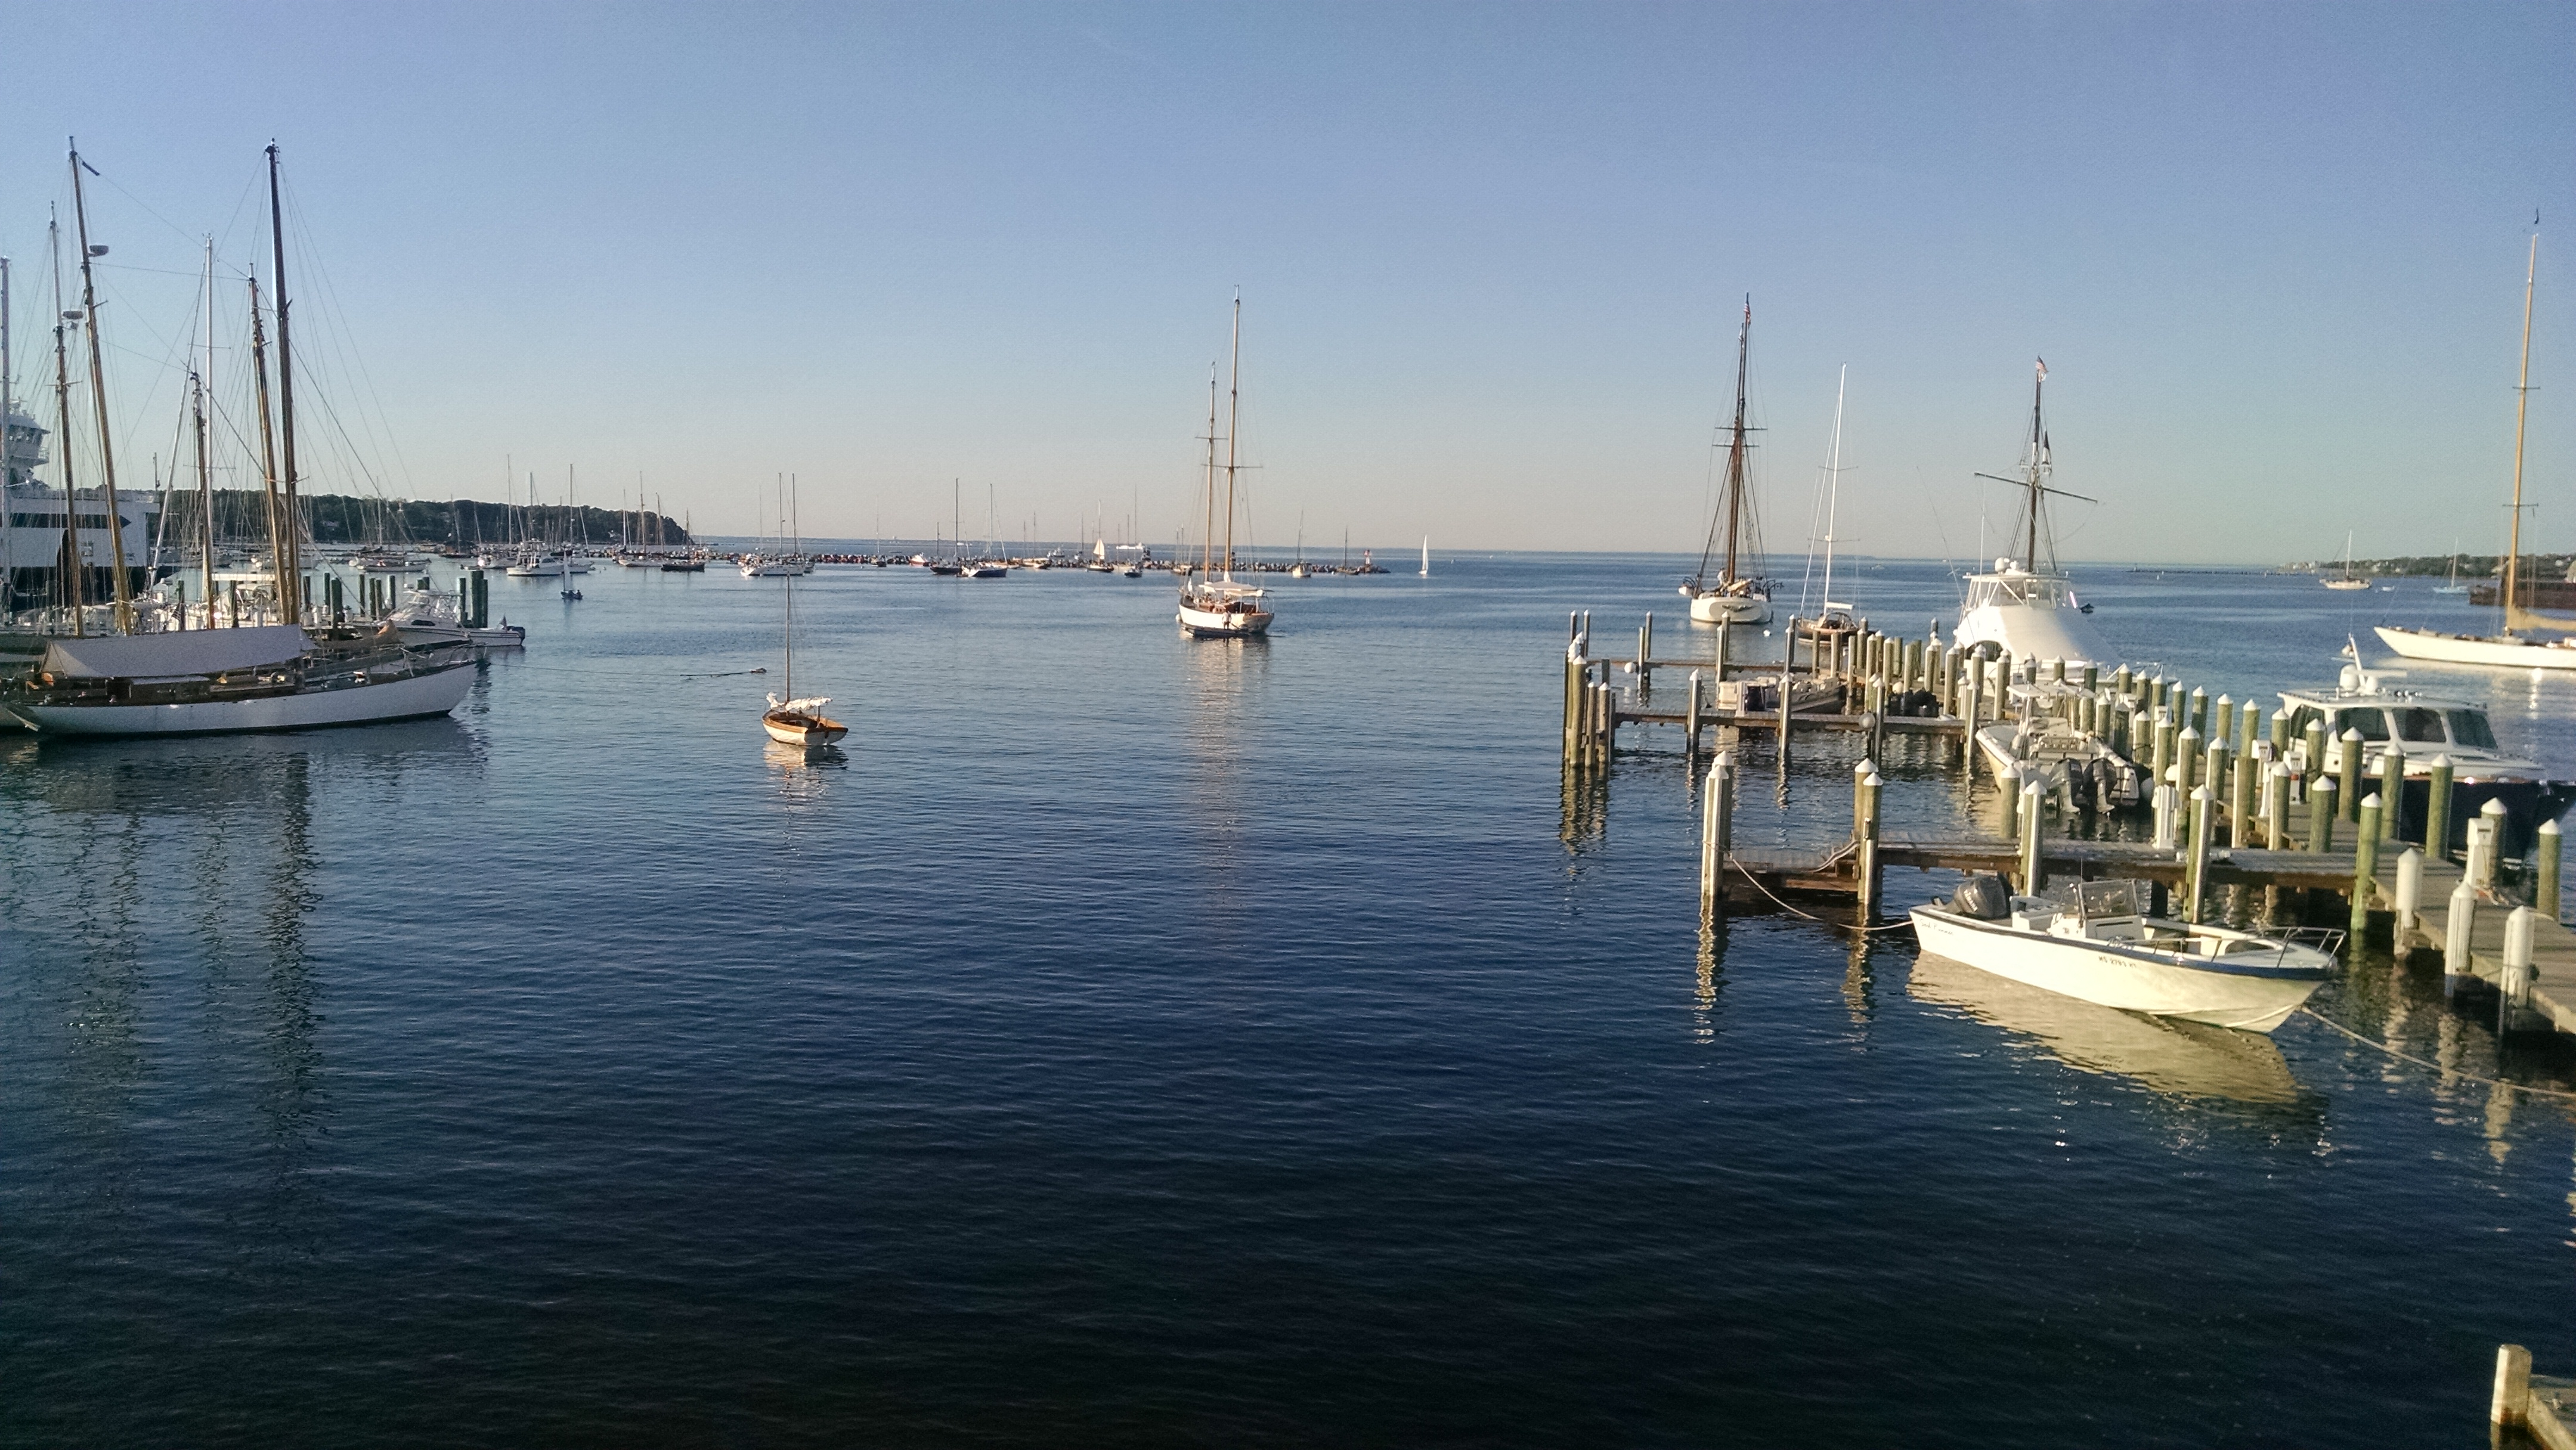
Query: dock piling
[(2459, 927), (2512, 1402), (2168, 804), (2223, 719), (2276, 806), (2520, 928), (2196, 868), (1725, 646), (2033, 868), (2186, 759), (2349, 770), (2544, 875), (2392, 788), (2321, 815), (1866, 790), (2486, 845), (2437, 809), (1690, 722), (2240, 800), (2200, 710), (2280, 735), (1646, 654), (1717, 826), (2408, 898), (2008, 791), (2365, 867)]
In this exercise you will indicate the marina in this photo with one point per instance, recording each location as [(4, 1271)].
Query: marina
[(1785, 910)]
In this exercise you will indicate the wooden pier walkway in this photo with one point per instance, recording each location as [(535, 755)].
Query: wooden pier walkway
[(2547, 1001), (1836, 872)]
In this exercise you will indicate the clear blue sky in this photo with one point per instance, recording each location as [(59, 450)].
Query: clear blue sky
[(1491, 255)]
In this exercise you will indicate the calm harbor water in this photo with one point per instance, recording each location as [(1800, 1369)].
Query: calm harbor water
[(1128, 1040)]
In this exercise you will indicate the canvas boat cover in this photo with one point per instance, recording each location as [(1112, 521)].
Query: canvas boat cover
[(181, 652)]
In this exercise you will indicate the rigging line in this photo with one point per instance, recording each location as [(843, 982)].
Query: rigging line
[(138, 201), (353, 357), (2520, 1087), (1733, 860)]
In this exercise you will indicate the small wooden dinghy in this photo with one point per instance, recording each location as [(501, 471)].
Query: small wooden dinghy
[(801, 722)]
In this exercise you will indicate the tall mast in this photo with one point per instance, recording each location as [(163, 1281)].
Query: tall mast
[(285, 378), (70, 581), (1233, 416), (289, 602), (8, 466), (2521, 404), (1735, 447), (1207, 536), (1834, 483), (2038, 452), (205, 476), (98, 400)]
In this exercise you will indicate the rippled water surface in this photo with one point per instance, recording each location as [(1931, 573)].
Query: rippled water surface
[(1127, 1040)]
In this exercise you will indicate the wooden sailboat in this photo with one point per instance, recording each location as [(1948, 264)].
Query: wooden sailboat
[(791, 721), (1213, 606), (2511, 646), (1729, 595)]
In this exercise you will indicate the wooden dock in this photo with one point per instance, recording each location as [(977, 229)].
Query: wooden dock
[(2547, 1000)]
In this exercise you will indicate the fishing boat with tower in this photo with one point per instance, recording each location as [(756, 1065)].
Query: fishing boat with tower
[(2026, 607)]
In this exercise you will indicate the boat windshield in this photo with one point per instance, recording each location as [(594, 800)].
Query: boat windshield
[(2044, 590), (2372, 725), (2469, 727), (2418, 725)]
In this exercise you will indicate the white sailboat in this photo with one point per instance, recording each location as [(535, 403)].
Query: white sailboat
[(2454, 586), (2026, 607), (1837, 616), (1212, 605), (788, 720), (2347, 579), (1730, 596), (1426, 556), (2511, 646)]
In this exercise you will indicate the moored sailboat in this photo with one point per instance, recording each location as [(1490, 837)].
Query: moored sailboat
[(2512, 646), (1729, 595), (791, 721), (1212, 605)]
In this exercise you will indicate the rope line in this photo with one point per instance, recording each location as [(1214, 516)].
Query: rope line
[(1733, 860), (2522, 1087)]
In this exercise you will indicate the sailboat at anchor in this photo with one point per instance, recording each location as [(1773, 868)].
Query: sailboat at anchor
[(1213, 606), (792, 721), (1730, 596)]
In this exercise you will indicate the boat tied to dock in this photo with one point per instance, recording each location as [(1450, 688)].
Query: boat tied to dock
[(2026, 607)]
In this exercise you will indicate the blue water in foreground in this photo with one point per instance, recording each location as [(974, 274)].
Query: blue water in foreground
[(1124, 1040)]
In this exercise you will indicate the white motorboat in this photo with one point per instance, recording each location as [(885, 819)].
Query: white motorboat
[(2420, 725), (429, 619), (1725, 594), (2100, 946), (2513, 646), (232, 681), (536, 566), (2071, 766), (2026, 607), (1212, 605)]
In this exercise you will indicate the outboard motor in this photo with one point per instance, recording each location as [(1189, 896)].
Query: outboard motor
[(1982, 898)]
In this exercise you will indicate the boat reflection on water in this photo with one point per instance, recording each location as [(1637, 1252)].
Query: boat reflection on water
[(802, 773), (2180, 1059)]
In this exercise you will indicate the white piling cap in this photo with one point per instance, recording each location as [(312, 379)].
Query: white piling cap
[(2493, 807), (2371, 801), (2350, 734), (2549, 828)]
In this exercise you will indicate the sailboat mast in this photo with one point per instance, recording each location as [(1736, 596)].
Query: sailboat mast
[(279, 526), (293, 533), (73, 585), (2038, 449), (98, 399), (205, 475), (1233, 416), (1834, 483), (1735, 448), (1207, 536), (2521, 405)]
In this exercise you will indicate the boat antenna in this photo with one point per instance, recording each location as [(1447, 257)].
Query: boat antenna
[(2521, 405), (98, 397)]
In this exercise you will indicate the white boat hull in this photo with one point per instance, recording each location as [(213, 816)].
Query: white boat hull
[(410, 698), (1216, 624), (2034, 632), (2459, 649), (1730, 609), (2250, 996)]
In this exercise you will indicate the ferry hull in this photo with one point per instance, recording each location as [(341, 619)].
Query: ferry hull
[(2460, 649), (2249, 998), (414, 698)]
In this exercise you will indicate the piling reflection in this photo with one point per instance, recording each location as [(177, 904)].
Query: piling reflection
[(1858, 982), (2179, 1059)]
